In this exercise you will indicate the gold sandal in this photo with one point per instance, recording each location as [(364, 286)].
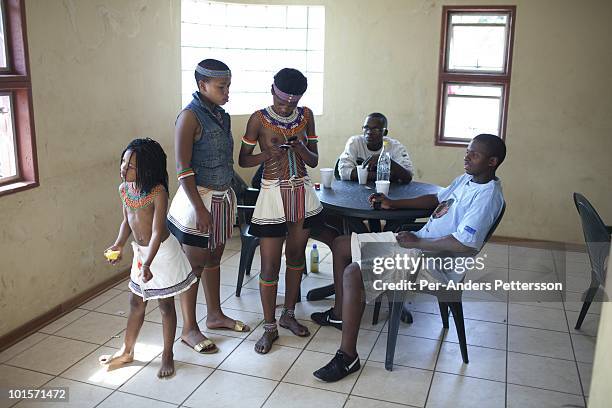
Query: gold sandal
[(206, 346)]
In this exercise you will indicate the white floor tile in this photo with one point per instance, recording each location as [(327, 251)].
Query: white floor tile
[(538, 342), (22, 346), (403, 385), (537, 317), (479, 333), (19, 378), (286, 395), (94, 327), (52, 355), (585, 370), (526, 397), (543, 372), (63, 321), (121, 399), (90, 370), (80, 395), (485, 363), (409, 351), (449, 390), (584, 347), (219, 391), (174, 389), (101, 299), (360, 402), (274, 365)]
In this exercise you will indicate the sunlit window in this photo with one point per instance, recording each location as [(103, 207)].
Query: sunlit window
[(8, 158), (255, 41), (474, 80), (18, 167)]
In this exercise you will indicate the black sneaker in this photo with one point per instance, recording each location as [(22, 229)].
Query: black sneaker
[(327, 318), (337, 368)]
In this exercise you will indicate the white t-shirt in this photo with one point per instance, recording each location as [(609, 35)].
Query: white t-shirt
[(467, 210), (356, 147)]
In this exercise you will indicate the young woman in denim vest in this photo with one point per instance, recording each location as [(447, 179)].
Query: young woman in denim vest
[(203, 210)]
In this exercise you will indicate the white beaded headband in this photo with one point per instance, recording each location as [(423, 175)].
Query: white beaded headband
[(211, 73)]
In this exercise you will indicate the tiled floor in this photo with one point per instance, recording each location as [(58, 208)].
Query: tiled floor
[(521, 354)]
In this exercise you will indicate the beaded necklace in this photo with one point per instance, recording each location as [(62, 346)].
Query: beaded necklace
[(135, 200), (287, 126), (282, 119)]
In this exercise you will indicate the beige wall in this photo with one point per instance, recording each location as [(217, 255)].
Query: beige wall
[(106, 71), (383, 56), (103, 72)]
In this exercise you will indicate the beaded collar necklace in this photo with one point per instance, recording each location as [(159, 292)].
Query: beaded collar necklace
[(282, 120), (133, 199), (287, 126)]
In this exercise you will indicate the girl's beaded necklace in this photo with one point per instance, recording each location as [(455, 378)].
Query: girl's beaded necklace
[(136, 200)]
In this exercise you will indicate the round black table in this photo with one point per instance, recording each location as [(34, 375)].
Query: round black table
[(349, 199)]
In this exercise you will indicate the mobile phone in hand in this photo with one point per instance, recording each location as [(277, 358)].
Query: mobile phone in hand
[(286, 145)]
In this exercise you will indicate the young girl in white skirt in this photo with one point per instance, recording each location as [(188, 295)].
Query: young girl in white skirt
[(160, 269)]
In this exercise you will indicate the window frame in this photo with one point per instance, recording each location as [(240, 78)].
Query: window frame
[(466, 77), (17, 82)]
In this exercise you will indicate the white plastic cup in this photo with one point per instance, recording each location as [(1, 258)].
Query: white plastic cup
[(382, 186), (327, 176), (362, 174)]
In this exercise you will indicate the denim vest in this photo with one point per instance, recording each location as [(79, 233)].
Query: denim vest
[(212, 155)]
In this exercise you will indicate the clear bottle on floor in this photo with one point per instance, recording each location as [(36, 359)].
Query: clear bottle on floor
[(314, 259)]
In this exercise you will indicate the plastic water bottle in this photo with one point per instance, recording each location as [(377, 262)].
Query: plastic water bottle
[(314, 259), (383, 168)]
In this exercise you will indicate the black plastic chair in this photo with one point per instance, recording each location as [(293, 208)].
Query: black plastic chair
[(446, 301), (246, 199), (336, 170), (597, 238)]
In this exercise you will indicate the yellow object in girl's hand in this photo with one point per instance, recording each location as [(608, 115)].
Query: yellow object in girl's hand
[(112, 255)]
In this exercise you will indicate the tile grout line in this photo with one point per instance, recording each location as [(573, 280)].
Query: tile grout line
[(435, 365), (574, 353), (507, 338)]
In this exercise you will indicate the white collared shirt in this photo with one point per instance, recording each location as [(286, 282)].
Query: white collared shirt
[(357, 148)]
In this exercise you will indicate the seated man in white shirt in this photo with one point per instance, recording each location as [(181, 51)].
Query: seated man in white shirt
[(360, 147), (465, 212)]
